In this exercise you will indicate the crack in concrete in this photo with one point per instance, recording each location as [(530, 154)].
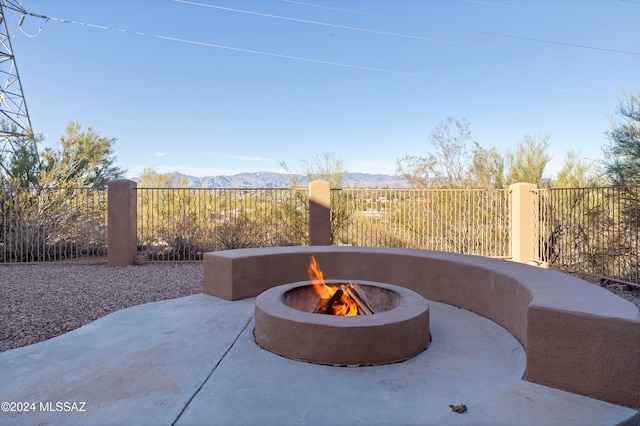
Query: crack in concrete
[(215, 367)]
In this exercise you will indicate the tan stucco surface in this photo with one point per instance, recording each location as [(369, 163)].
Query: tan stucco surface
[(578, 337)]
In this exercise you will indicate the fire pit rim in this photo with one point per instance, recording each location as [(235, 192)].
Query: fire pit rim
[(409, 304), (383, 338)]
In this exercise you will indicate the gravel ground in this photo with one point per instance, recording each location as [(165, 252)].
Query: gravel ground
[(41, 301)]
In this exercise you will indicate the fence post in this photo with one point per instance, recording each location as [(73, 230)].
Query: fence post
[(122, 249), (319, 213), (522, 222)]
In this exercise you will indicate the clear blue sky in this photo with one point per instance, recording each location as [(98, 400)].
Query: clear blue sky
[(201, 89)]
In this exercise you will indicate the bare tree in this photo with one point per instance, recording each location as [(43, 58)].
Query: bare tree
[(323, 166), (450, 139), (417, 171), (328, 167), (449, 166)]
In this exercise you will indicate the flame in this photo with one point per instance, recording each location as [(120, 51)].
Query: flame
[(344, 306)]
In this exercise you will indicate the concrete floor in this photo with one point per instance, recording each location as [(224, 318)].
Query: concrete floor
[(193, 361)]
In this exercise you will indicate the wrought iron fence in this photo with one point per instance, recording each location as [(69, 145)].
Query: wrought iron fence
[(182, 224), (46, 224), (463, 221), (592, 230)]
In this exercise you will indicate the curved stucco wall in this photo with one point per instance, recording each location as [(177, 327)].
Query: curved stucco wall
[(578, 337)]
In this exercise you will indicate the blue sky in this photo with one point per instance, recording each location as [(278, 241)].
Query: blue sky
[(202, 89)]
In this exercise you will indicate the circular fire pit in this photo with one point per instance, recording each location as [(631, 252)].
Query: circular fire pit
[(397, 330)]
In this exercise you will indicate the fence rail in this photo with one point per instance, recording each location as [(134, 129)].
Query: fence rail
[(592, 230), (463, 221), (47, 224), (182, 224)]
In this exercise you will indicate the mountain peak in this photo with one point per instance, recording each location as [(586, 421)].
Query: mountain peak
[(282, 180)]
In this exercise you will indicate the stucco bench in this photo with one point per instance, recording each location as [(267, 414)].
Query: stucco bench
[(577, 336)]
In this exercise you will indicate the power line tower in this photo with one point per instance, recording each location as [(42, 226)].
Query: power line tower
[(16, 132)]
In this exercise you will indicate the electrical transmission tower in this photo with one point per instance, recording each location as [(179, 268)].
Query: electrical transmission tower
[(15, 131)]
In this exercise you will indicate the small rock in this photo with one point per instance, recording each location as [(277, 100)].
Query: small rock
[(619, 287)]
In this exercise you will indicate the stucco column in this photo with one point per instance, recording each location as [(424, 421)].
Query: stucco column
[(319, 213), (522, 226), (122, 223)]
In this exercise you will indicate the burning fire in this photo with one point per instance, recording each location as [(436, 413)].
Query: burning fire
[(342, 300)]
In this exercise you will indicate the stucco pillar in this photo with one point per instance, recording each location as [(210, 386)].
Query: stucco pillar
[(522, 222), (319, 213), (122, 221)]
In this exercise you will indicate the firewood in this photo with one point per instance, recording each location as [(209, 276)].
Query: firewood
[(321, 307), (362, 295), (336, 296), (363, 306)]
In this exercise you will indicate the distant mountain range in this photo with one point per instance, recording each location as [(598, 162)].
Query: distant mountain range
[(281, 180)]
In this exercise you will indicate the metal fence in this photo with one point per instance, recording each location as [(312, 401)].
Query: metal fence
[(47, 224), (463, 221), (182, 224), (44, 224), (592, 230)]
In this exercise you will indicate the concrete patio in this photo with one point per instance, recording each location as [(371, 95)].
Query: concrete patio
[(193, 360)]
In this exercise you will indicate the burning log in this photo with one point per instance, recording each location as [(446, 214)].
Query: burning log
[(327, 305), (321, 307), (336, 296), (344, 301), (360, 298)]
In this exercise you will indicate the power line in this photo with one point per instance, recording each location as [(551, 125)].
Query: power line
[(384, 70), (536, 40), (386, 33), (326, 62), (551, 12)]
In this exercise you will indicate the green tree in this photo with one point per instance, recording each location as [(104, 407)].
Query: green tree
[(168, 220), (84, 158), (328, 167), (622, 163), (487, 168), (19, 161), (62, 217), (578, 173), (149, 178), (23, 168), (526, 163)]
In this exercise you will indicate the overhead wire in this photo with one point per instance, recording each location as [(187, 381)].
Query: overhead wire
[(321, 61), (550, 12), (451, 27), (394, 34)]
